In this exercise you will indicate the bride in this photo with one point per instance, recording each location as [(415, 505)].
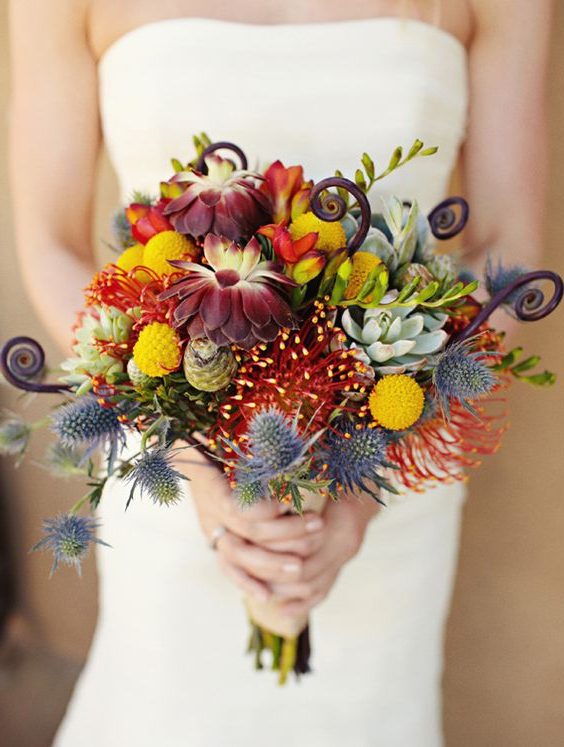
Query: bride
[(315, 82)]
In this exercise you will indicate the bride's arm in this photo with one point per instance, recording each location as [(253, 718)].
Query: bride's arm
[(505, 154), (54, 142)]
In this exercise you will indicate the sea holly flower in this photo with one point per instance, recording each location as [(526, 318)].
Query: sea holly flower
[(354, 458), (462, 375), (69, 538), (288, 191), (154, 474), (85, 423), (147, 220), (223, 201), (302, 261), (235, 298), (14, 435), (499, 277)]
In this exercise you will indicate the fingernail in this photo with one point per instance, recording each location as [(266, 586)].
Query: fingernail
[(291, 568), (313, 525)]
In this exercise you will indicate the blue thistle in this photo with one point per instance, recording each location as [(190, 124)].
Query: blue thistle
[(498, 278), (84, 422), (248, 490), (275, 444), (69, 537), (64, 461), (121, 228), (461, 375), (14, 435), (154, 474), (354, 457)]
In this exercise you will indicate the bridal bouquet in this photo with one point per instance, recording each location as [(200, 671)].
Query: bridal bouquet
[(316, 349)]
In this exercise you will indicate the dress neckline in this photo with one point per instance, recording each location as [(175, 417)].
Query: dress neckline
[(254, 28)]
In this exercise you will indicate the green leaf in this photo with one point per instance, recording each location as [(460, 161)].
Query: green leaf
[(395, 159), (344, 194), (176, 165), (429, 151), (526, 365), (508, 360), (414, 150), (546, 378), (359, 180), (408, 289), (368, 164)]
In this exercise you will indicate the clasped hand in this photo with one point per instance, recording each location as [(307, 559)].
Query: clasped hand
[(269, 551)]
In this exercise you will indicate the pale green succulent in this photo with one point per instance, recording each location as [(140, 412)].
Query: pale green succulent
[(398, 339), (99, 323)]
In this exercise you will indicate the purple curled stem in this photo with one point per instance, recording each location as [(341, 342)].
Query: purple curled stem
[(22, 360), (329, 206), (448, 218), (529, 304), (221, 145)]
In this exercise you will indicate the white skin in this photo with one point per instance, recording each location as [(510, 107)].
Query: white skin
[(55, 141)]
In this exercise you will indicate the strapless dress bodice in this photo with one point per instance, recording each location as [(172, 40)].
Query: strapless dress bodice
[(317, 94)]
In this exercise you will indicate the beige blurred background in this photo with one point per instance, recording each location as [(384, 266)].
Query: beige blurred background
[(504, 681)]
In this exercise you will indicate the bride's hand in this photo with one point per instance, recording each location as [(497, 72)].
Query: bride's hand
[(340, 540), (243, 550)]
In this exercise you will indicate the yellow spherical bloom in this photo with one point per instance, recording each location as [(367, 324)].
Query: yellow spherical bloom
[(331, 233), (132, 257), (396, 402), (164, 246), (157, 351), (362, 265)]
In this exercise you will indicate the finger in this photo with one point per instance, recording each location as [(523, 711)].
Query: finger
[(263, 510), (260, 563), (304, 547), (282, 528), (248, 584), (305, 590), (299, 608)]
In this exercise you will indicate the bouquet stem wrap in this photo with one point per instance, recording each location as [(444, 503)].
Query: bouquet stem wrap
[(287, 638)]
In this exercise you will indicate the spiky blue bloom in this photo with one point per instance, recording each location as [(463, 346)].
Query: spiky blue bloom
[(249, 491), (461, 375), (69, 538), (154, 474), (64, 461), (84, 422), (121, 228), (275, 445), (14, 435), (355, 458), (498, 278)]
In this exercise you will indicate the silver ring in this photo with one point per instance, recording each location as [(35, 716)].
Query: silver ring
[(216, 535)]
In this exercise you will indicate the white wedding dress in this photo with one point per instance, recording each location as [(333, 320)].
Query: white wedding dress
[(167, 665)]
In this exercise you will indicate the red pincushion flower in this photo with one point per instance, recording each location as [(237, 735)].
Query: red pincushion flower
[(236, 299), (223, 201)]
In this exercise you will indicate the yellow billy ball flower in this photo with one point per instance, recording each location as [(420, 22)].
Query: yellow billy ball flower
[(157, 351), (331, 233), (362, 265), (164, 246), (132, 257), (396, 402)]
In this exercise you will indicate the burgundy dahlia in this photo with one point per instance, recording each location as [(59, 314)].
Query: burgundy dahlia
[(235, 298), (223, 201)]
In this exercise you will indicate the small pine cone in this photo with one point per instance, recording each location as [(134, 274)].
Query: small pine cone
[(410, 272), (208, 367), (136, 375)]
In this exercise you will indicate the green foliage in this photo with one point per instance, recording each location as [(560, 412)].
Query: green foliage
[(512, 364), (366, 176)]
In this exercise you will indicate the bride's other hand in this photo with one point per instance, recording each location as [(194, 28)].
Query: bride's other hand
[(345, 523), (242, 550)]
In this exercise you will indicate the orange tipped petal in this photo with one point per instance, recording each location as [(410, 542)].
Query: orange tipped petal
[(308, 267)]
